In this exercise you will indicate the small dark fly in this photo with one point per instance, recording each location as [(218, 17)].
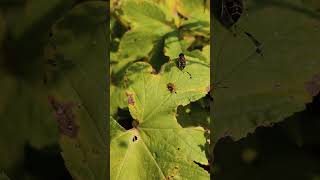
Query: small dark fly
[(182, 63)]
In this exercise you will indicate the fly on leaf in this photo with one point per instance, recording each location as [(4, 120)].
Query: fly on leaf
[(182, 63)]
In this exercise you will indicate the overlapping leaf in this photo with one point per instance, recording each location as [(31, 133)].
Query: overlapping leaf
[(80, 39), (148, 24), (261, 90), (24, 110)]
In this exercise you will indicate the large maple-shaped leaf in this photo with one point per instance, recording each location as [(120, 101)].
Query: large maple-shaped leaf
[(158, 147), (261, 90)]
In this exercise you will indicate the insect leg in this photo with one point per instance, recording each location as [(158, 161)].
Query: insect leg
[(256, 43), (189, 74)]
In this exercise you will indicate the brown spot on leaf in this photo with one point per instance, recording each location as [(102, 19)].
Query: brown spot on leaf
[(313, 86), (171, 87), (130, 99), (65, 117), (153, 71), (135, 123)]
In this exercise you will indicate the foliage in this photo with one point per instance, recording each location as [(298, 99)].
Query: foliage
[(48, 50), (263, 90), (147, 82), (288, 150)]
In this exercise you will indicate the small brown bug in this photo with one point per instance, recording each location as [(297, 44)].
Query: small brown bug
[(171, 87)]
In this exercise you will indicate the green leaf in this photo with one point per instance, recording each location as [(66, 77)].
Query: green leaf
[(194, 115), (206, 53), (146, 15), (148, 25), (198, 16), (159, 137), (262, 90), (174, 45), (24, 109), (118, 99), (80, 39)]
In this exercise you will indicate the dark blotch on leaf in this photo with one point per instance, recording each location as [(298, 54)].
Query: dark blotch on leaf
[(65, 117), (313, 86), (171, 87), (178, 149), (123, 144), (130, 99), (134, 138)]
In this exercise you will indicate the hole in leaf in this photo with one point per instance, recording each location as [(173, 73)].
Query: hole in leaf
[(134, 138), (125, 119)]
